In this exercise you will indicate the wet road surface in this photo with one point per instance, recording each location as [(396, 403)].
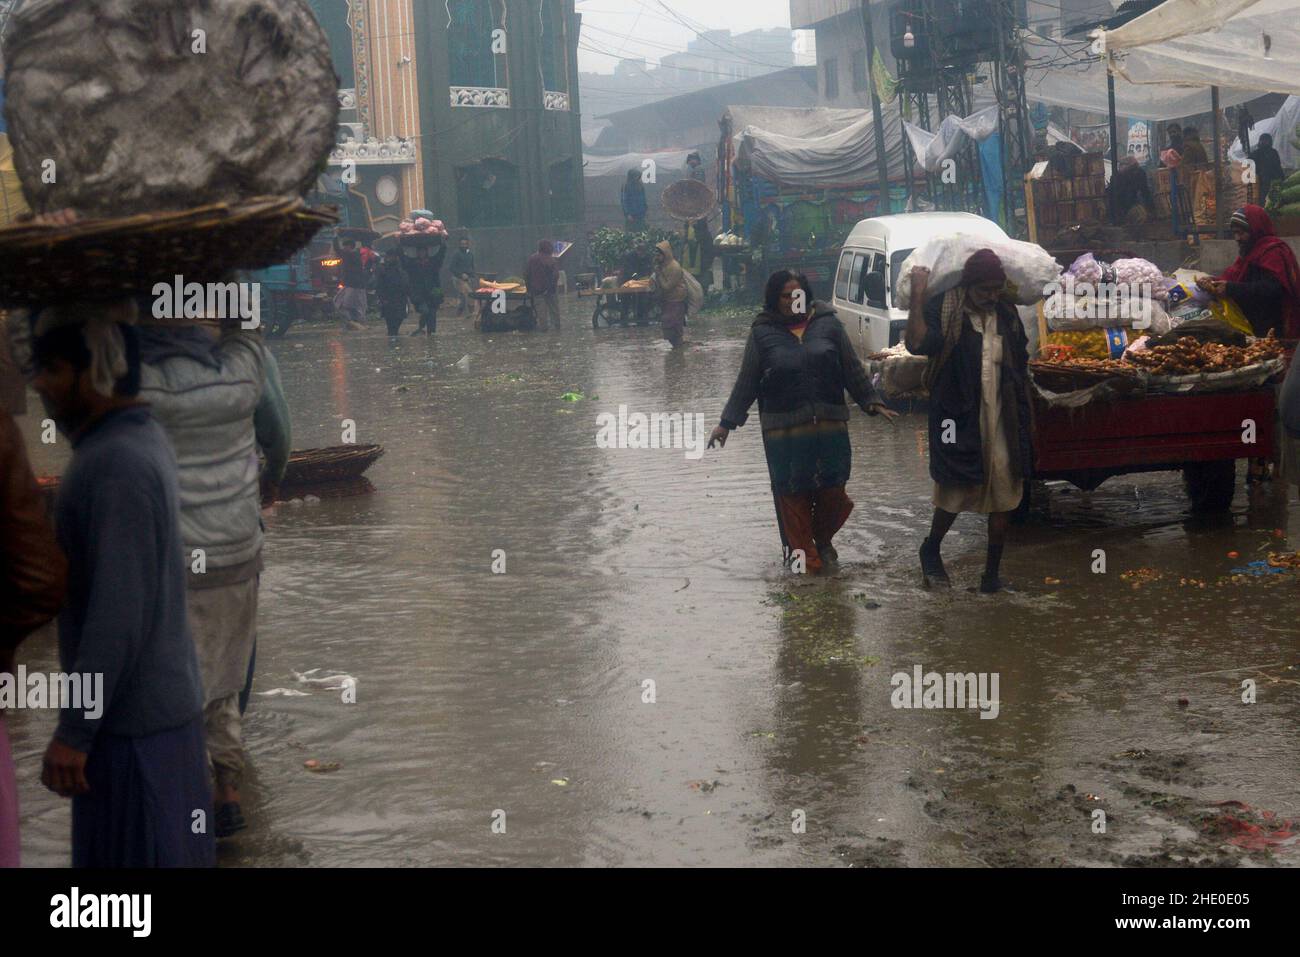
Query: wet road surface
[(524, 692)]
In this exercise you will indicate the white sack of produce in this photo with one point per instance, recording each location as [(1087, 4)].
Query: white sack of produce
[(1140, 271), (1111, 308), (1029, 268), (149, 105)]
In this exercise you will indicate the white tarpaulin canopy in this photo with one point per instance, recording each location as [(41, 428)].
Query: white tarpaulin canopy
[(672, 161), (807, 122), (1082, 86), (820, 156), (1242, 44)]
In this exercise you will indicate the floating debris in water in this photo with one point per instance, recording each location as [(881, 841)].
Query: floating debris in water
[(1138, 577), (573, 397), (332, 682), (321, 767), (1132, 753)]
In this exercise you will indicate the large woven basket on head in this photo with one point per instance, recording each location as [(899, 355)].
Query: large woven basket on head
[(184, 134), (688, 200), (113, 258)]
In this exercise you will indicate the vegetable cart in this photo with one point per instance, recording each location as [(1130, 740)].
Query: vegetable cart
[(614, 305), (518, 316), (1201, 435)]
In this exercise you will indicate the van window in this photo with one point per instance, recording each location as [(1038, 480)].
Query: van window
[(896, 267), (877, 268), (855, 277), (842, 276)]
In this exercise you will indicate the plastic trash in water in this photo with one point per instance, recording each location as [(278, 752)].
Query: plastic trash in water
[(332, 682), (1258, 569), (463, 364)]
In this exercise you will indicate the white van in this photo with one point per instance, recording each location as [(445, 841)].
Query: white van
[(866, 279)]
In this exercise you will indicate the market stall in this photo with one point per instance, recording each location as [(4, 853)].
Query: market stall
[(794, 183)]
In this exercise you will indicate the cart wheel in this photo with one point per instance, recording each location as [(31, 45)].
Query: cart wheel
[(1211, 485)]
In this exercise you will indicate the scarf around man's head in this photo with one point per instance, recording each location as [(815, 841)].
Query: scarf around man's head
[(1271, 255)]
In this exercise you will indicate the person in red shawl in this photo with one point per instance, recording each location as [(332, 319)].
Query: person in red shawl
[(1265, 283), (1265, 279)]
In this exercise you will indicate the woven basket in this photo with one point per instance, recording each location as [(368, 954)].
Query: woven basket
[(112, 258), (688, 199), (337, 464), (1061, 378)]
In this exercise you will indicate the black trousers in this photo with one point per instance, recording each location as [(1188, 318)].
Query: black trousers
[(428, 310), (394, 316)]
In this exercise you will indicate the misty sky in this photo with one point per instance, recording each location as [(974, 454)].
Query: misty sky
[(643, 28)]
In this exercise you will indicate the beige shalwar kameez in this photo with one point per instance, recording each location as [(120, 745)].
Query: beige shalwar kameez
[(1002, 490)]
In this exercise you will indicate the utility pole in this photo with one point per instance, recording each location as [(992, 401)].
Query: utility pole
[(1218, 165), (877, 120), (1114, 143)]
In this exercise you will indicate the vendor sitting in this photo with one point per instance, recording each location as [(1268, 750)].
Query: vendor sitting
[(1265, 279), (1132, 192), (1265, 282)]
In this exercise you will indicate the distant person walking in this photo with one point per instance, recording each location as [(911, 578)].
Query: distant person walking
[(424, 282), (542, 276), (350, 301), (634, 202), (670, 283), (465, 275), (393, 291)]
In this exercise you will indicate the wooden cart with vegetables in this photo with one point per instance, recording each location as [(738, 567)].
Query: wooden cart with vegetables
[(1190, 407)]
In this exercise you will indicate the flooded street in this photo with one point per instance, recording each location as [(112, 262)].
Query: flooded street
[(525, 692)]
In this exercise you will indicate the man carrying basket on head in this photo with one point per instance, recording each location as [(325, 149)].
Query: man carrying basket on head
[(162, 525)]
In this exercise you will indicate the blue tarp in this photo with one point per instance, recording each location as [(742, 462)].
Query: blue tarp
[(991, 169)]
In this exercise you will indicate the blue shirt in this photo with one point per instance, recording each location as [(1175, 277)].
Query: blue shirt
[(118, 522)]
